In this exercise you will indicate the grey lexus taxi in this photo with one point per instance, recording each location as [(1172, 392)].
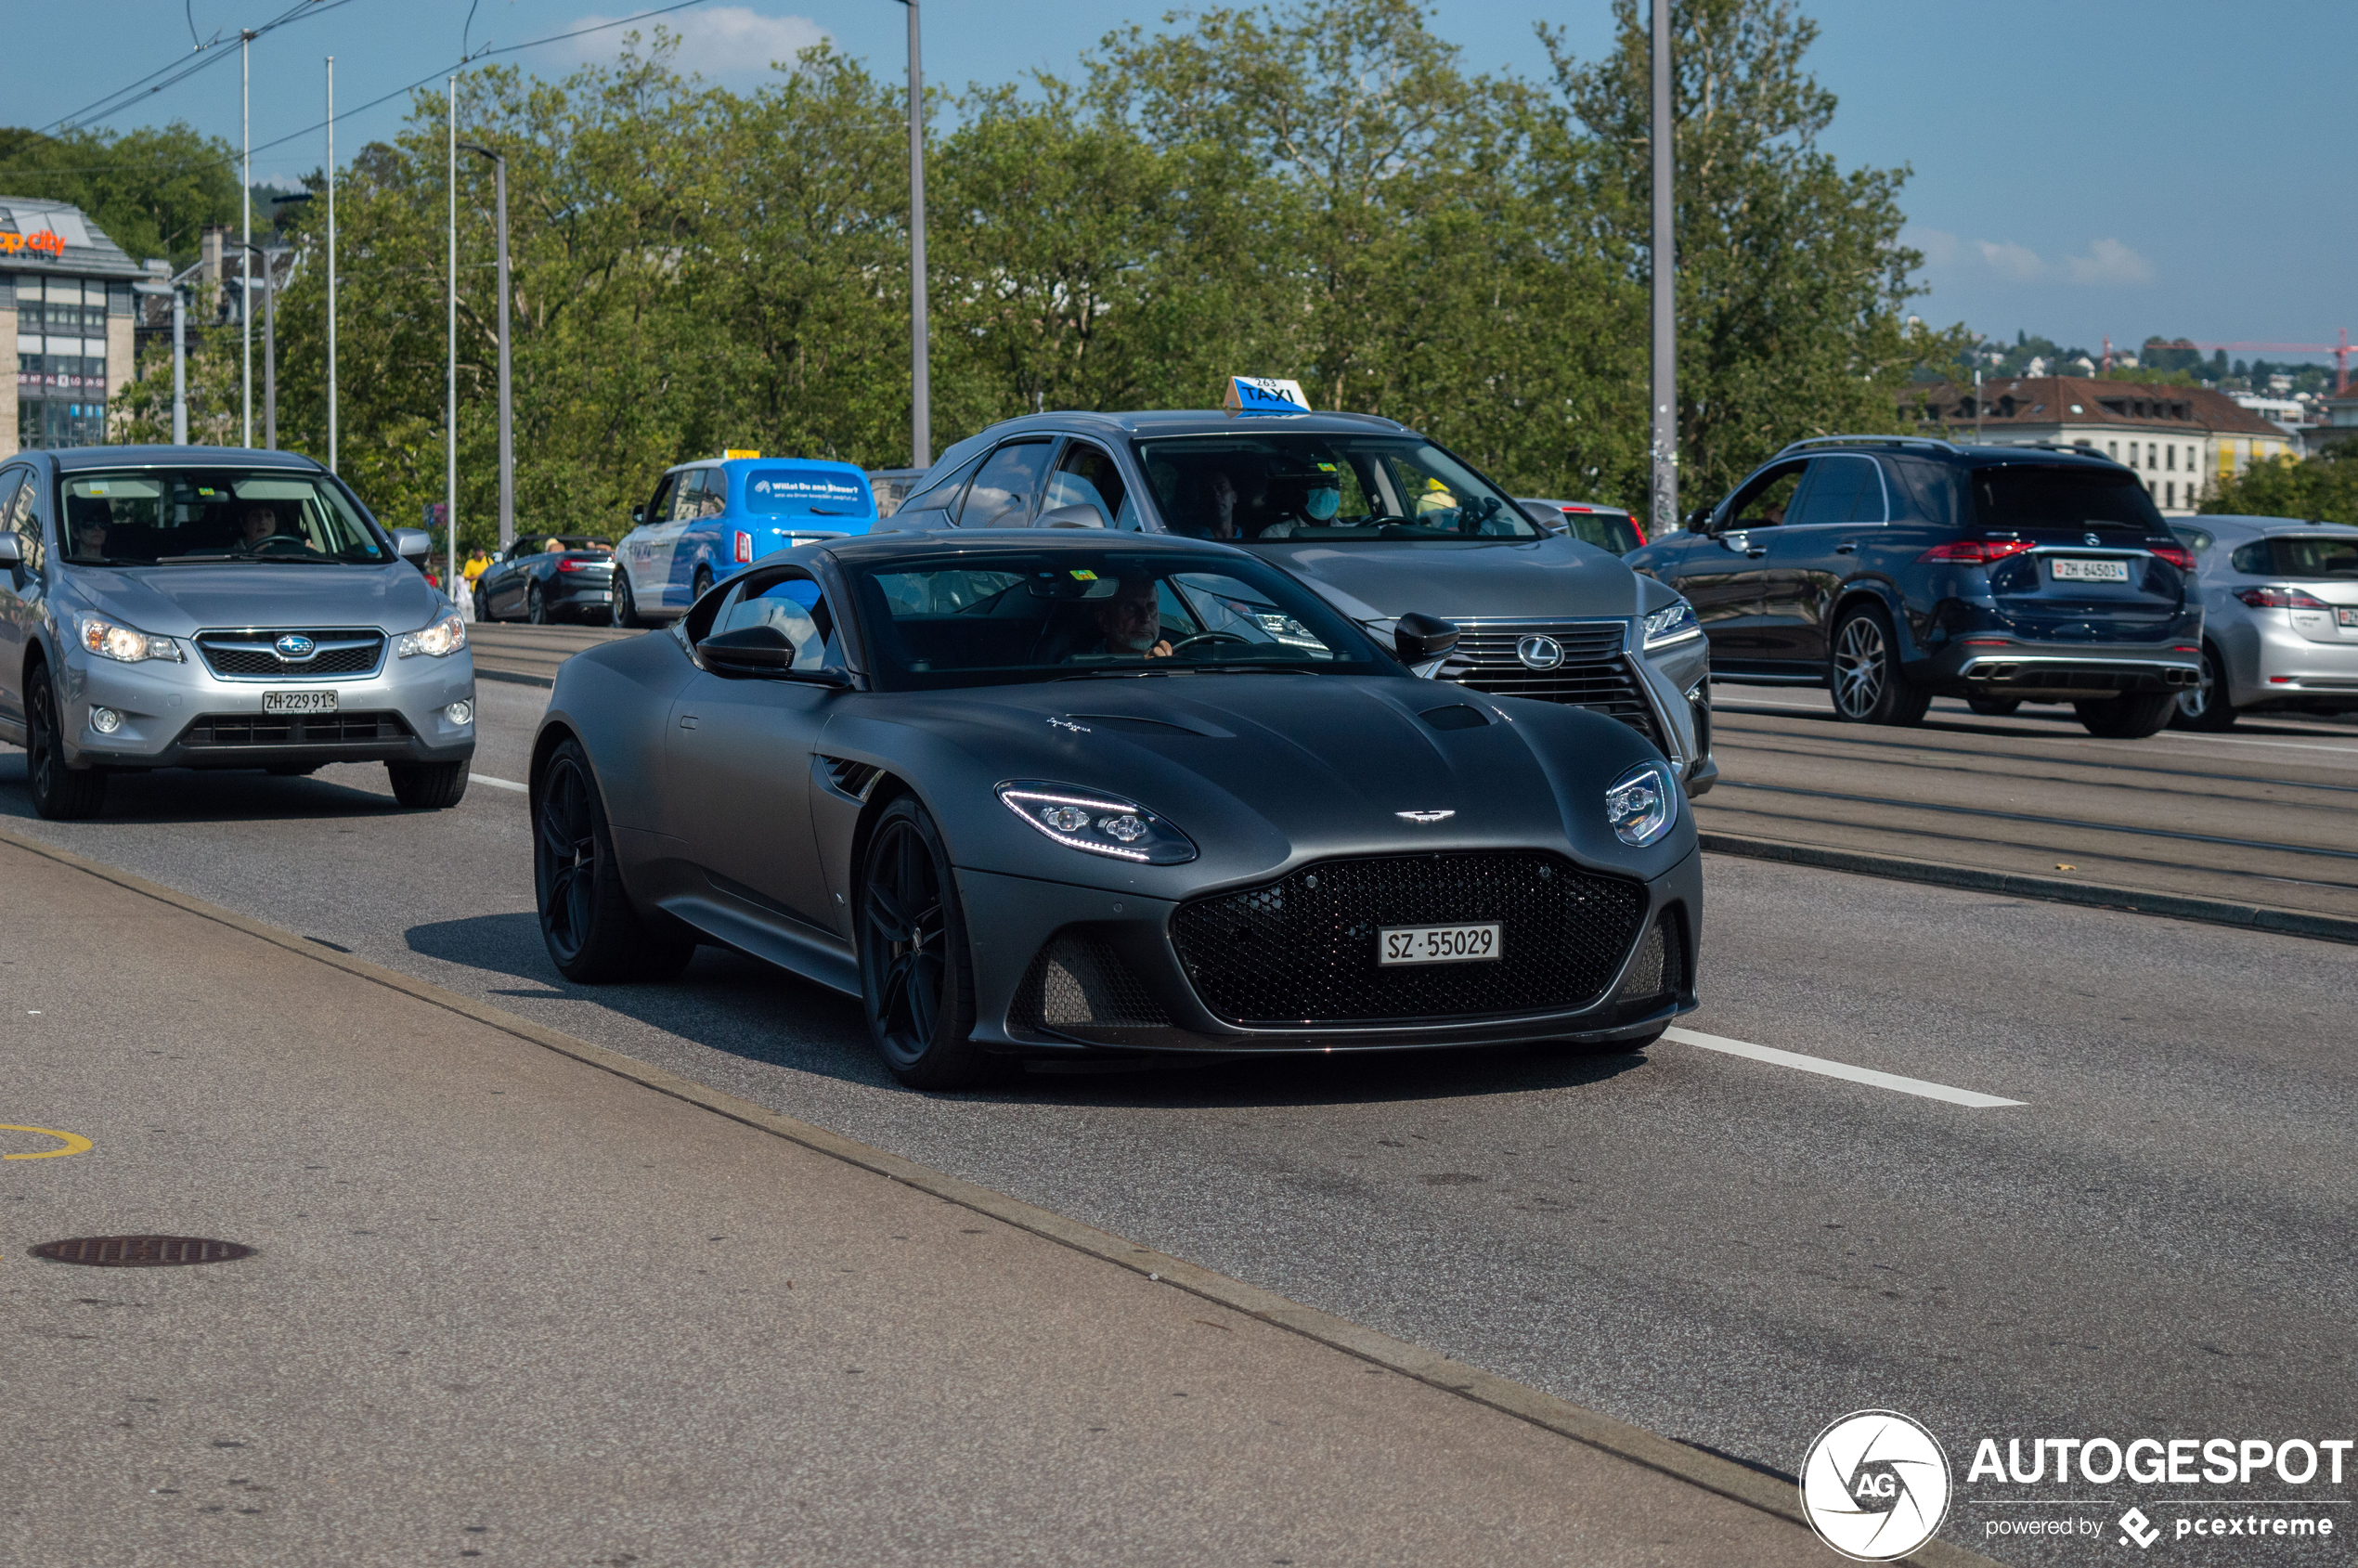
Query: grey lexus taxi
[(212, 607), (1380, 522)]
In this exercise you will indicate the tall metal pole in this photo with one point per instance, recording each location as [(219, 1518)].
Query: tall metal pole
[(270, 357), (450, 390), (245, 238), (920, 372), (179, 368), (1666, 302), (331, 264), (507, 422)]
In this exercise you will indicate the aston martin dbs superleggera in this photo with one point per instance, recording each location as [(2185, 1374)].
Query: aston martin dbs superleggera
[(1032, 792)]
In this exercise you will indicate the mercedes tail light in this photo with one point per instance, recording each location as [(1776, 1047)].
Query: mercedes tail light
[(2178, 556), (1976, 552), (2276, 597)]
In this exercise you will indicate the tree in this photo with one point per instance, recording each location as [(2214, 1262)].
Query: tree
[(152, 190), (2322, 489), (1791, 279)]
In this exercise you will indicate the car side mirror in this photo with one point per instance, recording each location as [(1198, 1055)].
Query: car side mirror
[(1420, 639), (1081, 515), (638, 515), (760, 649), (11, 553), (412, 544)]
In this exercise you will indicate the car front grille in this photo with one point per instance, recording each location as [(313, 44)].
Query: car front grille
[(234, 730), (248, 655), (1079, 980), (1595, 673), (1301, 950)]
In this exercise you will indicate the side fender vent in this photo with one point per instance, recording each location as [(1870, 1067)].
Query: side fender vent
[(855, 778)]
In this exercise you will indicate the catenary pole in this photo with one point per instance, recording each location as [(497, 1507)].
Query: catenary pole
[(179, 368), (245, 238), (331, 264), (920, 370), (450, 372), (507, 422), (1666, 291)]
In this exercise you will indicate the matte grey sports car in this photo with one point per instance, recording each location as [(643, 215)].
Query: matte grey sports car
[(1028, 793)]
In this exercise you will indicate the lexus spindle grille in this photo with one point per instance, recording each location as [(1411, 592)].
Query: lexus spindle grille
[(254, 655), (1593, 673), (1303, 949)]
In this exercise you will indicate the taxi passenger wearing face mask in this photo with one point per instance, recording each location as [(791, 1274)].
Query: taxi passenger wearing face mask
[(1321, 495)]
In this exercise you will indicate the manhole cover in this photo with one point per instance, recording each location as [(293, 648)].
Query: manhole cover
[(140, 1251)]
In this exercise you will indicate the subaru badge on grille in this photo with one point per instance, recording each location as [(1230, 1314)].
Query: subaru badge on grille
[(294, 647)]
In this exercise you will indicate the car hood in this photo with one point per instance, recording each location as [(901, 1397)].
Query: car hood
[(1262, 771), (1490, 580), (180, 601)]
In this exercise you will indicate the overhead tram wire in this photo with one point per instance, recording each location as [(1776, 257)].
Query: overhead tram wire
[(207, 52)]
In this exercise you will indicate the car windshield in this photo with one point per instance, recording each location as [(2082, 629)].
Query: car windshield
[(2063, 495), (1006, 618), (1347, 489), (172, 517), (2314, 557)]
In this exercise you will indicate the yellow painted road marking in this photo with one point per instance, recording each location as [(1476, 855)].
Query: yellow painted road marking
[(76, 1142)]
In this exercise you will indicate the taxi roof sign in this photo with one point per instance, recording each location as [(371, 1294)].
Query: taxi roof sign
[(1264, 394), (740, 452)]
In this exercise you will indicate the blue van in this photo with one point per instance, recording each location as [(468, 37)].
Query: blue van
[(709, 521)]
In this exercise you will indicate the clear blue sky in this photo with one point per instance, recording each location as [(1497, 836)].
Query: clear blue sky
[(2103, 166)]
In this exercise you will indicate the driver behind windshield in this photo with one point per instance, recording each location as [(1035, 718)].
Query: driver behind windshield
[(258, 521), (1305, 501), (1130, 623)]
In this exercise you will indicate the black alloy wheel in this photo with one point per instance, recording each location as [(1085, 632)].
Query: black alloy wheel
[(2206, 707), (592, 932), (535, 609), (626, 601), (1864, 673), (2132, 716), (702, 584), (60, 793), (915, 978), (482, 600)]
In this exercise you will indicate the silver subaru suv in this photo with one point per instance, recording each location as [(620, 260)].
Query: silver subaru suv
[(216, 608)]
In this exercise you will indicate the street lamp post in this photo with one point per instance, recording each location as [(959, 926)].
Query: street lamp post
[(920, 372), (507, 424), (450, 364), (1666, 286), (245, 235), (331, 264), (269, 351)]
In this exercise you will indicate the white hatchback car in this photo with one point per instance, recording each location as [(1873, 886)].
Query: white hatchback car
[(2280, 618)]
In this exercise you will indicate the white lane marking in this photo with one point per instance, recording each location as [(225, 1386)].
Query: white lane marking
[(500, 783), (1868, 1075)]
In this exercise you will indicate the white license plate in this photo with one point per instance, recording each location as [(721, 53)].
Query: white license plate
[(298, 702), (2066, 570), (1438, 944)]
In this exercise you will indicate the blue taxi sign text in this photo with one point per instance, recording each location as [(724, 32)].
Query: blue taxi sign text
[(1264, 394)]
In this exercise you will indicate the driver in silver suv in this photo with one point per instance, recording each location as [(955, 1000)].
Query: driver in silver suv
[(210, 607)]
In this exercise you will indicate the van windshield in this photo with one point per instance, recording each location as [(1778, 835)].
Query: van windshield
[(172, 517), (1340, 489)]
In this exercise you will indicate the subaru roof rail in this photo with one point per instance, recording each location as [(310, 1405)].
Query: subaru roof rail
[(1931, 441)]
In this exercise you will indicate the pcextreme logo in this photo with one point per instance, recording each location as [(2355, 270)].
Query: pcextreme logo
[(1876, 1485)]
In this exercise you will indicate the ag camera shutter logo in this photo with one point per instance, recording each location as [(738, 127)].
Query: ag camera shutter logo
[(1876, 1485)]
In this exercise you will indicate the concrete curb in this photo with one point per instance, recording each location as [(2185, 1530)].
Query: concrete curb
[(2174, 906), (1634, 1444), (540, 681)]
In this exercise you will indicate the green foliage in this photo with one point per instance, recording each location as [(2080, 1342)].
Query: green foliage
[(2147, 376), (151, 190), (2324, 488), (1315, 188)]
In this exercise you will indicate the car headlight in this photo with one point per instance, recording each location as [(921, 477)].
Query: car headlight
[(1642, 803), (1678, 623), (125, 644), (1101, 824), (438, 641)]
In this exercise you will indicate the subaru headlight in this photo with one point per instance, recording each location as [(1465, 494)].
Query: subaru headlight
[(1642, 803), (440, 640), (126, 644), (1098, 824), (1678, 623)]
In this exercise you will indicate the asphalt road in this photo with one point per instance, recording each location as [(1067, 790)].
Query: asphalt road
[(2263, 814), (1730, 1251)]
